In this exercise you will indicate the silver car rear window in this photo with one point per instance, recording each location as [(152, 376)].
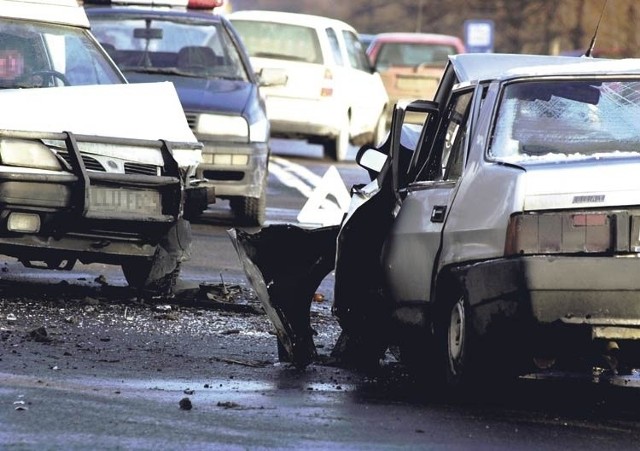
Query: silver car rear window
[(567, 119)]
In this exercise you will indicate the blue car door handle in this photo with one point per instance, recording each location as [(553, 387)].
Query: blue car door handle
[(438, 212)]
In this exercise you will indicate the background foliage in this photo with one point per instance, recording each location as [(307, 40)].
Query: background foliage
[(521, 26)]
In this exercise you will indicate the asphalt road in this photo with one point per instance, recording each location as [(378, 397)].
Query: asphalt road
[(86, 363)]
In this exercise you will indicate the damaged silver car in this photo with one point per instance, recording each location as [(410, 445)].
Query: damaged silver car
[(506, 241)]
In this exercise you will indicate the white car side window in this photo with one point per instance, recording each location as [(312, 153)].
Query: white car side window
[(357, 57), (335, 46)]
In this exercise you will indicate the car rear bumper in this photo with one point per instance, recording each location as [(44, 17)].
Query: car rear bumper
[(234, 170), (304, 117), (600, 293)]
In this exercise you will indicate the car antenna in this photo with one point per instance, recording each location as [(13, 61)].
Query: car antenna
[(595, 33)]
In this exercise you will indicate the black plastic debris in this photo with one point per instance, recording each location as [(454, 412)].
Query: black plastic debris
[(285, 264)]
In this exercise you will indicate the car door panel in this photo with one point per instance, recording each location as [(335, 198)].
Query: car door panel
[(414, 241)]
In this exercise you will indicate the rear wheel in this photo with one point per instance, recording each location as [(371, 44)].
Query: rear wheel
[(380, 132), (336, 148)]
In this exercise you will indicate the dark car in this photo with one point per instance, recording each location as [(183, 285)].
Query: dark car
[(202, 55)]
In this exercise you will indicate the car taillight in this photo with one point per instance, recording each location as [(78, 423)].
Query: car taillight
[(560, 232), (327, 84)]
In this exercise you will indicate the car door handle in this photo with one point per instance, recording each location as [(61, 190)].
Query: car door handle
[(438, 212)]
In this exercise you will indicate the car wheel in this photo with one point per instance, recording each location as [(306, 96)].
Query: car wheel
[(456, 344), (380, 132), (456, 352), (137, 272), (250, 211), (336, 148)]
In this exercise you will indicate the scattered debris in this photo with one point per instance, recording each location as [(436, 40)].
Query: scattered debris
[(126, 315), (170, 316), (230, 332), (163, 308), (228, 404), (91, 301), (40, 335), (185, 404), (242, 362)]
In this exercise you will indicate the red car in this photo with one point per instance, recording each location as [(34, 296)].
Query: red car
[(411, 64)]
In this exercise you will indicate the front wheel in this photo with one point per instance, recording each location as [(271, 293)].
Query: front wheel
[(251, 211), (138, 274)]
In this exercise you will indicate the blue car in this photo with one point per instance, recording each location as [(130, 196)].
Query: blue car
[(201, 53)]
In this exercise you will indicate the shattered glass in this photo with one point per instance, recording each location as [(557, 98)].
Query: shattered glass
[(567, 120)]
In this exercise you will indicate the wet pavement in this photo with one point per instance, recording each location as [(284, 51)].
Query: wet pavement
[(86, 363)]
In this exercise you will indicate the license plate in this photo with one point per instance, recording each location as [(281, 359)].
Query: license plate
[(119, 200)]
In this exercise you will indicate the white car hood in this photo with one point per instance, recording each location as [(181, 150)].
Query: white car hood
[(595, 185), (149, 111)]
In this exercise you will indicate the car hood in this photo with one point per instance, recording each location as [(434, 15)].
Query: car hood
[(201, 94), (589, 184), (144, 111)]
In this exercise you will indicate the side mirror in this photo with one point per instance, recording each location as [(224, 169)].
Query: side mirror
[(272, 77), (371, 159)]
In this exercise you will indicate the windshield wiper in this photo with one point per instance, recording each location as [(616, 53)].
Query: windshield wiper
[(161, 70), (279, 56)]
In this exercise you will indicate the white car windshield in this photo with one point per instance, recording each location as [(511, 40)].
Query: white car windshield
[(35, 54), (567, 120)]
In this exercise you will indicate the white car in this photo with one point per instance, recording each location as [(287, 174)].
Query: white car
[(92, 169), (332, 96)]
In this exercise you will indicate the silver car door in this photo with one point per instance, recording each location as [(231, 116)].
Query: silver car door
[(411, 249)]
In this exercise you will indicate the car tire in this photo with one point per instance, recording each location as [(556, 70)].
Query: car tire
[(336, 148), (380, 132), (136, 272), (251, 211), (458, 360)]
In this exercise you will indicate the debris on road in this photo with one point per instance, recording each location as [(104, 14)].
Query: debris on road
[(185, 404)]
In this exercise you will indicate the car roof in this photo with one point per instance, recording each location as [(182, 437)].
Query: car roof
[(418, 37), (307, 20), (472, 67), (64, 12)]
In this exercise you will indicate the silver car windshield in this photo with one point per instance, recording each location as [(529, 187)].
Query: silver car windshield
[(170, 47), (36, 54), (567, 120)]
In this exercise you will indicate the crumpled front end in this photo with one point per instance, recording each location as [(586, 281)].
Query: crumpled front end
[(59, 203)]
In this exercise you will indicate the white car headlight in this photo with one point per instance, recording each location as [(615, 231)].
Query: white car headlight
[(214, 124), (26, 153)]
